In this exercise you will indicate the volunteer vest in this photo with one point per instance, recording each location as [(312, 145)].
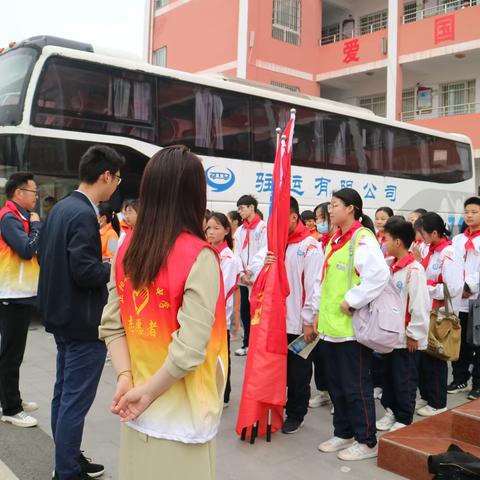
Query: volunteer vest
[(18, 277), (107, 233), (190, 410), (332, 322)]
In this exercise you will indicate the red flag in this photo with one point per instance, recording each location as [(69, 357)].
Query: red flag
[(265, 381)]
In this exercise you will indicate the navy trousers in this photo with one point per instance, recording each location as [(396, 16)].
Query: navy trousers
[(400, 383), (245, 314), (349, 380), (79, 367), (433, 376)]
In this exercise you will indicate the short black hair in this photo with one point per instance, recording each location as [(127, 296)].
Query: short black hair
[(420, 211), (387, 210), (471, 201), (399, 228), (234, 215), (17, 180), (294, 208), (50, 200), (247, 200), (99, 159), (307, 215)]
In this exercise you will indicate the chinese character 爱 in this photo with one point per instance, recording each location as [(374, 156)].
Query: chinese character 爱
[(391, 192), (296, 188), (369, 189), (444, 28), (350, 51), (321, 185)]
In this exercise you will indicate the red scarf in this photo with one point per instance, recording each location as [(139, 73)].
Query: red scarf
[(470, 236), (300, 233), (250, 226), (404, 262), (325, 238), (222, 247), (343, 239), (437, 248), (314, 233), (380, 238)]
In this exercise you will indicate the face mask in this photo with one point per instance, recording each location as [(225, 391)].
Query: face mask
[(322, 227)]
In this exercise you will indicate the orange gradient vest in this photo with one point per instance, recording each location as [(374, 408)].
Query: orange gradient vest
[(190, 410), (18, 277)]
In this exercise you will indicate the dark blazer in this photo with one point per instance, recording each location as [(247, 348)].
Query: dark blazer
[(72, 284)]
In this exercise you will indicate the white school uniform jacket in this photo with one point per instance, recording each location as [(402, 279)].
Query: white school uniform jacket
[(304, 263), (471, 265), (258, 241), (445, 266), (229, 267), (411, 281)]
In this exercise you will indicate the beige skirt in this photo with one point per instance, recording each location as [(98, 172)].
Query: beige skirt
[(149, 458)]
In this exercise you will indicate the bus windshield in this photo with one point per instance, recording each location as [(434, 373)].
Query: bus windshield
[(15, 69)]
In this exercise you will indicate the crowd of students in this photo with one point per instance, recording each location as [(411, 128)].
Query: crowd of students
[(338, 261)]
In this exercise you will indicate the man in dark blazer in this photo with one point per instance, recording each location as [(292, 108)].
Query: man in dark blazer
[(71, 296)]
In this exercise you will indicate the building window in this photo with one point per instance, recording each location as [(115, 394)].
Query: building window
[(286, 21), (160, 57), (408, 104), (376, 103), (330, 34), (458, 98), (373, 22), (410, 12), (161, 3), (286, 86)]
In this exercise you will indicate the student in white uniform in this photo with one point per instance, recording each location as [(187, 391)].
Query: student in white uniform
[(250, 238), (442, 266), (400, 380), (219, 236), (303, 262), (467, 246), (347, 362)]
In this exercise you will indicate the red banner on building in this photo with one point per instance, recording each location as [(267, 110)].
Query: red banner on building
[(265, 381)]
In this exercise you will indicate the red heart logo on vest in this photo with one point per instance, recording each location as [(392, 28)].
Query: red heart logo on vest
[(140, 299)]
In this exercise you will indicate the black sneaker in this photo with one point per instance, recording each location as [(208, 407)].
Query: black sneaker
[(457, 387), (93, 470), (474, 394), (81, 476), (290, 425)]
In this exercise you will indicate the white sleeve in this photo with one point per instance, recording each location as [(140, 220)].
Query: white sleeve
[(230, 274), (419, 305), (452, 273), (473, 282), (373, 270), (313, 264), (238, 251), (257, 263), (262, 246)]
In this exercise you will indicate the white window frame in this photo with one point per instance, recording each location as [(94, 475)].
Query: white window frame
[(286, 21), (159, 57), (376, 103)]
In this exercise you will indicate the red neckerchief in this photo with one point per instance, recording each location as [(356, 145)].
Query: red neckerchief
[(250, 226), (404, 262), (417, 241), (314, 233), (380, 238), (342, 241), (222, 247), (325, 239), (437, 248), (470, 236), (300, 233)]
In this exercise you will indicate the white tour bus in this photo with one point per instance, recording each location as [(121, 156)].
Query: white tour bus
[(58, 97)]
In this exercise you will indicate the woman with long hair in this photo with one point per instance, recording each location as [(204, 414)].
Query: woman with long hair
[(165, 328), (443, 267), (349, 282)]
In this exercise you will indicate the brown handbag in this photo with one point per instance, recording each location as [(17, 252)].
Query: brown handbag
[(444, 336)]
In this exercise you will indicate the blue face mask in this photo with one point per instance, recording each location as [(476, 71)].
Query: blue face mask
[(322, 227)]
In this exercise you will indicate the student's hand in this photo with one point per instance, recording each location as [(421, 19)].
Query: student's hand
[(270, 258), (310, 333), (134, 403), (124, 384), (34, 217), (466, 294), (412, 345), (246, 278), (345, 308), (416, 253)]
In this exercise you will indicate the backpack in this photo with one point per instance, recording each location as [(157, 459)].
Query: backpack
[(380, 324)]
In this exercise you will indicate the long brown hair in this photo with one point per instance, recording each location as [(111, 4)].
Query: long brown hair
[(173, 198)]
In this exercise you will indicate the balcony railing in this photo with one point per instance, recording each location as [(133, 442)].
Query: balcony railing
[(357, 32), (438, 10), (445, 111)]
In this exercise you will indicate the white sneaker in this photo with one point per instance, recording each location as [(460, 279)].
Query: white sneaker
[(377, 392), (387, 421), (397, 426), (358, 451), (241, 352), (21, 419), (226, 404), (332, 410), (420, 403), (335, 444), (319, 400), (29, 406), (428, 411)]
